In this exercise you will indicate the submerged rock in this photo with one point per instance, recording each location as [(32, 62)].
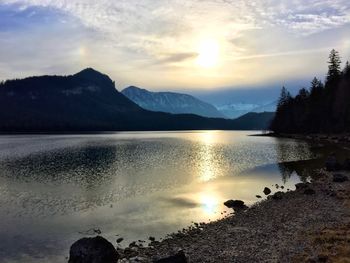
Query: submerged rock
[(179, 257), (267, 191), (340, 178), (93, 250)]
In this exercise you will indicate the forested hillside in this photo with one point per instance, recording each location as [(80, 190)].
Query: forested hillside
[(89, 101), (324, 107)]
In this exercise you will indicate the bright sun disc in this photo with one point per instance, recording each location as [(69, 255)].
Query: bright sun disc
[(208, 53)]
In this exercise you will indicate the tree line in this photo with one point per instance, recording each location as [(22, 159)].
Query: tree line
[(324, 107)]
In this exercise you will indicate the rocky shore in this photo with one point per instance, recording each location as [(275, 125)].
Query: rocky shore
[(310, 224)]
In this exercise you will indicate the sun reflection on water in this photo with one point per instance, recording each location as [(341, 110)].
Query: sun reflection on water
[(209, 203), (207, 169)]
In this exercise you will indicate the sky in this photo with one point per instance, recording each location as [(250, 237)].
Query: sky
[(175, 44)]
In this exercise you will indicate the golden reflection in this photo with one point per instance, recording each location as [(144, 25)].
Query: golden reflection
[(207, 168), (208, 137), (209, 203)]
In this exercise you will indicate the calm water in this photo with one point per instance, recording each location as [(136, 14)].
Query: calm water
[(54, 189)]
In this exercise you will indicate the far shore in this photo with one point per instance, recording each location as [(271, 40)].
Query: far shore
[(320, 137)]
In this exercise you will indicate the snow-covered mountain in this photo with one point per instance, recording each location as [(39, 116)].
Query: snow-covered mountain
[(270, 107), (171, 102), (235, 110)]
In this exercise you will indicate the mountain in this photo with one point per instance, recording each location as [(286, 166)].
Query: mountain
[(171, 102), (270, 107), (255, 121), (89, 101), (235, 110)]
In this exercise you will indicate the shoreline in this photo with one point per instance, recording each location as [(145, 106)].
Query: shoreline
[(309, 224), (282, 228), (316, 137)]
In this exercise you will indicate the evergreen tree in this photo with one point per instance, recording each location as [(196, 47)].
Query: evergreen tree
[(303, 94), (346, 70), (316, 87), (334, 67), (283, 98), (325, 108)]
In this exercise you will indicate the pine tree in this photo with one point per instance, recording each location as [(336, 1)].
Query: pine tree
[(283, 98), (316, 86), (334, 69), (303, 93), (346, 70)]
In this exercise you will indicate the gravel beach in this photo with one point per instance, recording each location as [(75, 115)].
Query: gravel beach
[(310, 224)]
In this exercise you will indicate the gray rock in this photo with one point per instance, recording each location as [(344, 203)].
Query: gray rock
[(267, 191), (258, 196), (235, 204), (93, 250)]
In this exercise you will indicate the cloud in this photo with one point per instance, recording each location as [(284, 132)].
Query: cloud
[(125, 37), (179, 57)]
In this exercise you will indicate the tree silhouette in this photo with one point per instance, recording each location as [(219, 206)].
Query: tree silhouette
[(334, 67), (346, 70), (316, 87), (323, 108), (283, 97)]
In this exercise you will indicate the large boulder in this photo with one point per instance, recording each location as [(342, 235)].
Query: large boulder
[(93, 250), (235, 204), (267, 191)]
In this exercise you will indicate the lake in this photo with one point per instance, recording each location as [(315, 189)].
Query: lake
[(55, 189)]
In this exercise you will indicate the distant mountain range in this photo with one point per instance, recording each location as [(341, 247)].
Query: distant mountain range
[(89, 101), (176, 103), (171, 102), (235, 110)]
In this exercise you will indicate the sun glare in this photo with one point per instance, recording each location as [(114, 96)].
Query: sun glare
[(208, 53)]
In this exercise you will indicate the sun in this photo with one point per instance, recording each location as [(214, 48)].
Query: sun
[(208, 53)]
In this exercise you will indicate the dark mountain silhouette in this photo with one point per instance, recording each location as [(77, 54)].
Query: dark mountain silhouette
[(324, 108), (171, 102), (88, 101), (255, 121)]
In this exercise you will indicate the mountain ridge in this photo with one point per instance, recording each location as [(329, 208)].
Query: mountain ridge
[(171, 102), (87, 101)]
